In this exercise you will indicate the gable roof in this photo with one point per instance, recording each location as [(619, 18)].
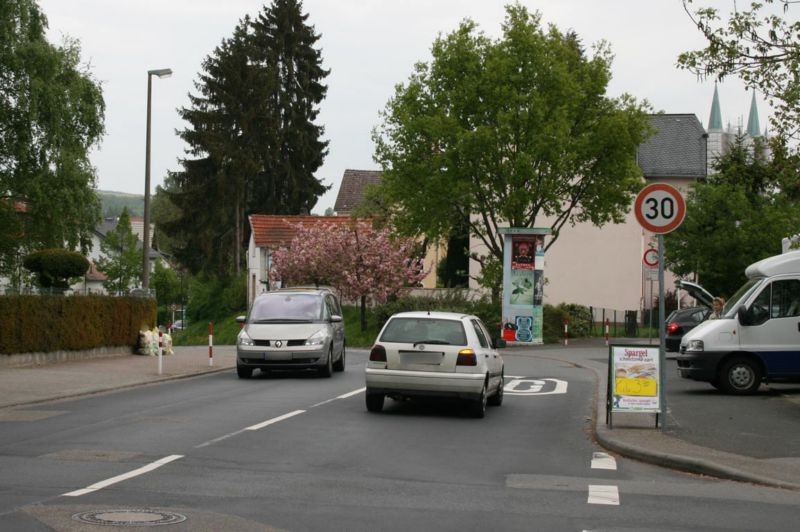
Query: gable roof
[(276, 230), (351, 191), (677, 149)]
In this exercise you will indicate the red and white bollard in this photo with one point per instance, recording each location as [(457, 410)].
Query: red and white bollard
[(607, 323), (566, 331), (210, 343), (160, 350)]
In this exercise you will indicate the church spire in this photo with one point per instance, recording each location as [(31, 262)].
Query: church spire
[(715, 120), (753, 126)]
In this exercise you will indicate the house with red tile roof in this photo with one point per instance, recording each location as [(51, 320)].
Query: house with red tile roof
[(269, 232)]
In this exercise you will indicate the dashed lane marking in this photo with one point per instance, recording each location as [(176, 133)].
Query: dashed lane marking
[(268, 422), (603, 461), (599, 494), (125, 476)]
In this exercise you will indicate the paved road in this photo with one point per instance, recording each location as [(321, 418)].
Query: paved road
[(296, 452)]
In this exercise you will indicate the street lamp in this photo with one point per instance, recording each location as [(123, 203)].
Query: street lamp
[(161, 73)]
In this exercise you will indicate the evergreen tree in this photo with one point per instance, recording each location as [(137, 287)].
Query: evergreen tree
[(121, 258), (253, 143)]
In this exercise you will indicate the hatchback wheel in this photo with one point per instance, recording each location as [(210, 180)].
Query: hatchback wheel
[(478, 408), (375, 402), (497, 398)]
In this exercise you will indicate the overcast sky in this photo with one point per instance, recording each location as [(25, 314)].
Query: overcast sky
[(369, 46)]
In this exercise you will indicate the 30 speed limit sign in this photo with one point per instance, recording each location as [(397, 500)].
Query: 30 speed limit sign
[(660, 208)]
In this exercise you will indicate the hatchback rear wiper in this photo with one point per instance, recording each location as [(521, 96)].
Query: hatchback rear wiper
[(432, 342), (281, 320)]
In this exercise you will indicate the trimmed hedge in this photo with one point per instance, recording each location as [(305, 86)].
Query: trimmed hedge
[(32, 324)]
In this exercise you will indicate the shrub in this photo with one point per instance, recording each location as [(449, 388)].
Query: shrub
[(54, 267), (213, 298)]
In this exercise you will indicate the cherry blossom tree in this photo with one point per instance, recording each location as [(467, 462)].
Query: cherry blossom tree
[(358, 260)]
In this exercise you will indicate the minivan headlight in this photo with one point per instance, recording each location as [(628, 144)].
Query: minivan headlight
[(244, 339), (694, 345), (318, 338)]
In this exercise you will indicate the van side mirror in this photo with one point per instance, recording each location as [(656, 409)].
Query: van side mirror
[(335, 318), (743, 316), (241, 319)]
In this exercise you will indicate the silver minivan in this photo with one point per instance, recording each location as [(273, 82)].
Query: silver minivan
[(292, 328)]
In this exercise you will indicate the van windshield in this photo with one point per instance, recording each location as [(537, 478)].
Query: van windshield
[(741, 295)]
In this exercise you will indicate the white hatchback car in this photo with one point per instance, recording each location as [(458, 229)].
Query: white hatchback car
[(433, 354)]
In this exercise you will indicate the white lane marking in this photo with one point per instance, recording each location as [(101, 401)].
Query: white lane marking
[(535, 387), (217, 440), (125, 476), (603, 461), (274, 420), (344, 396), (603, 495), (351, 394)]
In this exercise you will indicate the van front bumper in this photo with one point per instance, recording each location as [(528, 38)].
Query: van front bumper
[(699, 365)]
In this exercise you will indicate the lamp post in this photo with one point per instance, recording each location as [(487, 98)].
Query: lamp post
[(161, 73)]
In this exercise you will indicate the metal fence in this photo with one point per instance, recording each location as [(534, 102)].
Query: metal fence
[(621, 323)]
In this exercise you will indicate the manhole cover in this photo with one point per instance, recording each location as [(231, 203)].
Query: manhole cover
[(127, 517)]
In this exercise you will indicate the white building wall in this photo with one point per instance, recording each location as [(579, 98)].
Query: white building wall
[(597, 267)]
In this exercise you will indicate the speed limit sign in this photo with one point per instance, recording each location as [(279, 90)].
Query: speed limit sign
[(660, 208)]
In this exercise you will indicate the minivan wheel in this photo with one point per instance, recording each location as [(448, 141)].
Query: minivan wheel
[(327, 369), (243, 372), (374, 402), (339, 364), (740, 376)]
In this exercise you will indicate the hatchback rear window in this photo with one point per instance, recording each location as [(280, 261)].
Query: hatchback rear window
[(425, 331), (278, 306)]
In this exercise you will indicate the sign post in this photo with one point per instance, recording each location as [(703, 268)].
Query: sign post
[(660, 209)]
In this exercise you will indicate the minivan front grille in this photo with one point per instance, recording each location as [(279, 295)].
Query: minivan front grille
[(263, 343)]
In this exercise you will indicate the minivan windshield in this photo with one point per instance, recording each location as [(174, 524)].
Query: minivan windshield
[(279, 307), (741, 295)]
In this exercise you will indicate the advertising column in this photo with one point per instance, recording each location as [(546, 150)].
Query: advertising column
[(523, 285)]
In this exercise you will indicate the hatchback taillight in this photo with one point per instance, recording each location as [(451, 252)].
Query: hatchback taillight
[(466, 357), (672, 327), (378, 354)]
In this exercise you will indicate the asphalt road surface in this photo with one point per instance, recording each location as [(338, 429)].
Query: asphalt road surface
[(296, 452)]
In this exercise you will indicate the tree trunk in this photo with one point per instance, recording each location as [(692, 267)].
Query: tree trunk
[(363, 313)]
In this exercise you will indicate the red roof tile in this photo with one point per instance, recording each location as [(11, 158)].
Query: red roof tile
[(275, 230)]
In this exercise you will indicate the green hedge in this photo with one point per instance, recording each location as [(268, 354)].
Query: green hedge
[(56, 323)]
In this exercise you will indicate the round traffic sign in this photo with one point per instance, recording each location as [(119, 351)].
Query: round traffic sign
[(659, 208), (650, 258)]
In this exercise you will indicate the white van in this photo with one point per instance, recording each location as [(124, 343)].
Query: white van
[(758, 336)]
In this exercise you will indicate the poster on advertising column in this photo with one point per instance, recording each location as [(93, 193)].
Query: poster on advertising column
[(523, 285), (633, 379)]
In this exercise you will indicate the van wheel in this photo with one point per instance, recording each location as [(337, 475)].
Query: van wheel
[(740, 376)]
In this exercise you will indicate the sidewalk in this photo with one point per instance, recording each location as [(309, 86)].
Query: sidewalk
[(36, 384), (633, 435)]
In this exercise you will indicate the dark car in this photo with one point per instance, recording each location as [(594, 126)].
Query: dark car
[(681, 321)]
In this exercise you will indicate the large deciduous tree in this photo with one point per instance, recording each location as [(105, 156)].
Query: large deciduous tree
[(357, 259), (506, 131), (253, 142), (51, 114), (736, 217), (761, 46)]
